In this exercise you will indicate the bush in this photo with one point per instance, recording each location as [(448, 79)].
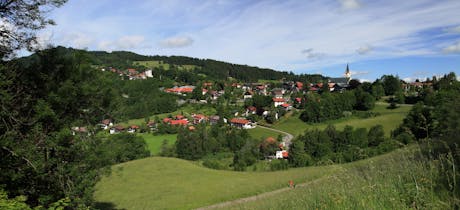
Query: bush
[(279, 164)]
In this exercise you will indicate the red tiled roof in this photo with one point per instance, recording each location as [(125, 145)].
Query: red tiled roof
[(179, 122), (285, 105), (179, 117), (299, 84), (134, 127), (166, 120), (298, 99), (239, 121), (199, 116), (180, 90), (252, 108), (106, 122), (278, 99), (285, 154)]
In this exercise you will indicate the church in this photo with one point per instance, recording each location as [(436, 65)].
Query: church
[(341, 83)]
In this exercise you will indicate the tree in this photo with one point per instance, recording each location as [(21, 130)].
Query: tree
[(297, 155), (377, 90), (376, 136), (391, 84), (20, 20)]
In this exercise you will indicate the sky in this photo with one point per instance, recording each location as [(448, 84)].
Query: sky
[(410, 38)]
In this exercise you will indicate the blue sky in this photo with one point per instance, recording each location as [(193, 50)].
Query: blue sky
[(411, 38)]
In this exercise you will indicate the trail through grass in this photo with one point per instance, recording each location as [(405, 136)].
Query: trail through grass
[(169, 183)]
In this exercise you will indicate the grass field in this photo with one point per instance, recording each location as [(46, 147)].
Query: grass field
[(169, 183), (260, 133), (166, 66), (389, 119), (398, 180), (154, 142)]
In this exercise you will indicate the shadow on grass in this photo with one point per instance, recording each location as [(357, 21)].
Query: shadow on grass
[(106, 206)]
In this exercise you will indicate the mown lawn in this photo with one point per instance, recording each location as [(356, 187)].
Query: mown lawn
[(260, 133), (389, 119), (170, 183), (154, 142)]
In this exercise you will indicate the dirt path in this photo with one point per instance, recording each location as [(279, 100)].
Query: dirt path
[(287, 138), (260, 196)]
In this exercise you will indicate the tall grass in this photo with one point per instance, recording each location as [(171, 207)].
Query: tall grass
[(404, 179)]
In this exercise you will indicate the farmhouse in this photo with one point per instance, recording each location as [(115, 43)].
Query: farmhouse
[(199, 118), (278, 101), (241, 123), (133, 128), (116, 129), (79, 130), (248, 94), (105, 124), (282, 154)]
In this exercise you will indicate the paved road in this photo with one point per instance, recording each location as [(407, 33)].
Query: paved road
[(287, 138)]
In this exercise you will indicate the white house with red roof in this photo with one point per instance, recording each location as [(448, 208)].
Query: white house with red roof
[(278, 101), (241, 123)]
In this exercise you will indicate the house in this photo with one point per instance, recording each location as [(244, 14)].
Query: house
[(298, 100), (79, 130), (248, 94), (241, 123), (286, 106), (299, 86), (214, 119), (105, 124), (278, 101), (182, 122), (181, 90), (251, 110), (278, 92), (133, 128), (116, 129), (261, 90), (199, 118), (132, 72), (282, 154), (152, 125)]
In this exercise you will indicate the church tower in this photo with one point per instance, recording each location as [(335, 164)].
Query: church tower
[(348, 74)]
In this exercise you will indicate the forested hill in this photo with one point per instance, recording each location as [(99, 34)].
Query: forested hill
[(208, 68)]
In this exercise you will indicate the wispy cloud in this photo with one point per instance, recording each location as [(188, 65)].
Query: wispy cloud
[(176, 42), (453, 30), (364, 50), (131, 42), (309, 53), (350, 4), (359, 73), (454, 48)]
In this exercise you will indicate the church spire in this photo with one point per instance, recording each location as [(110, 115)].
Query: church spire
[(348, 73)]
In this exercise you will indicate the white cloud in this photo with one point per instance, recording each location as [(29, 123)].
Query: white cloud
[(357, 73), (311, 55), (350, 4), (77, 40), (364, 50), (176, 42), (132, 42), (453, 30), (455, 48)]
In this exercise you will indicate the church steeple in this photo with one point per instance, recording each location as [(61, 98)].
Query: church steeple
[(348, 73)]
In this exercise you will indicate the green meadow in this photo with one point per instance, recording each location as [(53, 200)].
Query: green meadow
[(154, 142), (170, 183), (165, 66), (388, 118), (399, 180)]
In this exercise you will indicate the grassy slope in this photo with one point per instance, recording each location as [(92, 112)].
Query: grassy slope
[(169, 183), (166, 66), (390, 119), (154, 142), (260, 133), (396, 180)]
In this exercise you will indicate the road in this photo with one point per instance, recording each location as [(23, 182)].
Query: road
[(287, 138)]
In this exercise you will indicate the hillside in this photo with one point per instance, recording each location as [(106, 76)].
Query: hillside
[(169, 183), (210, 69), (388, 181)]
